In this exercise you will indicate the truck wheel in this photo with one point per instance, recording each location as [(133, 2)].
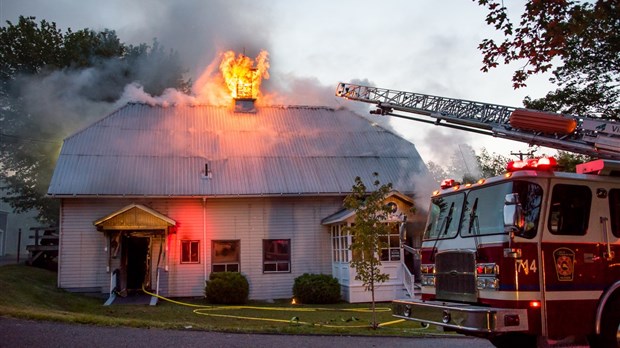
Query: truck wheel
[(515, 340), (610, 325)]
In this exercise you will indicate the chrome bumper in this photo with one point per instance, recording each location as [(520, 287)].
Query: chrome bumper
[(464, 317)]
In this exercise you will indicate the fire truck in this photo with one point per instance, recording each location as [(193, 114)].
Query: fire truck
[(528, 258)]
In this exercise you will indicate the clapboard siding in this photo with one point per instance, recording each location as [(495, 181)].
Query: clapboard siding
[(252, 220), (84, 257), (83, 260)]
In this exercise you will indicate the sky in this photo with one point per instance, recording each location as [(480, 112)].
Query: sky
[(419, 46)]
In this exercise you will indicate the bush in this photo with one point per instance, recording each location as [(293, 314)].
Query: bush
[(316, 288), (227, 288)]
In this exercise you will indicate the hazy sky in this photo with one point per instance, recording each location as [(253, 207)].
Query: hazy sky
[(420, 46)]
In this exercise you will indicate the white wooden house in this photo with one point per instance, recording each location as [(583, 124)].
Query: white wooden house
[(163, 196)]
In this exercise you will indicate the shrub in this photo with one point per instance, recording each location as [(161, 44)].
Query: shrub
[(316, 288), (227, 288)]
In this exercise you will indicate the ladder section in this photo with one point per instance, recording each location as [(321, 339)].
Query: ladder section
[(588, 136), (469, 112)]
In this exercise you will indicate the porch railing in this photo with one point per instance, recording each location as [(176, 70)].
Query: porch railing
[(408, 280)]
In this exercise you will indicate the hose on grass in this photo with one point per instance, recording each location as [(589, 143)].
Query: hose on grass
[(207, 311)]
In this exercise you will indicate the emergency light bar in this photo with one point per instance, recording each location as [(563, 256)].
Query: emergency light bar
[(544, 163), (447, 183)]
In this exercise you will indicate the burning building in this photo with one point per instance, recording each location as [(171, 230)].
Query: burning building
[(163, 196)]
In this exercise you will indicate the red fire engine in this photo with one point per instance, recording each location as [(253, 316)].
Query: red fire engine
[(528, 258)]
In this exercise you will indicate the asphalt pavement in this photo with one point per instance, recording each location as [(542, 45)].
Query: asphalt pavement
[(27, 333)]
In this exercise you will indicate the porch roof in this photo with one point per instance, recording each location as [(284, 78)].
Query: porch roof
[(345, 214), (134, 217)]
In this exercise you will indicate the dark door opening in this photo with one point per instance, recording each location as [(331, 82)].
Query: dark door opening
[(137, 251)]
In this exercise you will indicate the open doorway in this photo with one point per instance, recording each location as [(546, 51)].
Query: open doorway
[(136, 262)]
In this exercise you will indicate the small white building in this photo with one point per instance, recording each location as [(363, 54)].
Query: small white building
[(163, 196)]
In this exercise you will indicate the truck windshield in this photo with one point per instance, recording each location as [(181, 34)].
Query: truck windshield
[(444, 216), (479, 211)]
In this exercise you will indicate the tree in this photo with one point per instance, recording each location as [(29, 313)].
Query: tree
[(491, 164), (49, 80), (438, 173), (370, 215), (568, 161), (463, 165), (577, 42)]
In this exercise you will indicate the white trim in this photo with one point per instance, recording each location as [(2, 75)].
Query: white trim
[(573, 295), (531, 295)]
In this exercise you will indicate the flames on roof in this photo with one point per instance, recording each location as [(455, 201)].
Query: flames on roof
[(243, 76)]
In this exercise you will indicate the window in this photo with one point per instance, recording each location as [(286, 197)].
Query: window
[(614, 209), (444, 217), (340, 244), (530, 197), (276, 255), (479, 211), (225, 255), (190, 251), (390, 243), (483, 212), (570, 209)]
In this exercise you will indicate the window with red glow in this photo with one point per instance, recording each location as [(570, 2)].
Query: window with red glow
[(276, 255), (190, 251), (225, 255)]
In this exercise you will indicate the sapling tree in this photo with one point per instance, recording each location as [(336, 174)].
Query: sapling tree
[(371, 212)]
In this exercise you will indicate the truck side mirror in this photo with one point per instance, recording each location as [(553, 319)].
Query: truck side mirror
[(513, 214)]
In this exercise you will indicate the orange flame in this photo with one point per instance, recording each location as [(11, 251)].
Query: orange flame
[(242, 75)]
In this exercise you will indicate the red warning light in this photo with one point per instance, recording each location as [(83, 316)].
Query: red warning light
[(544, 163), (447, 183)]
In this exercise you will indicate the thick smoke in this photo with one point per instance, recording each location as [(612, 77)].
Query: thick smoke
[(198, 32), (58, 102)]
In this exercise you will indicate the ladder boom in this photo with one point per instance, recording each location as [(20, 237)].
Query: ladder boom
[(588, 136)]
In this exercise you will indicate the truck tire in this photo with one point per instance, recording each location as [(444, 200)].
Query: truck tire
[(610, 325), (513, 340)]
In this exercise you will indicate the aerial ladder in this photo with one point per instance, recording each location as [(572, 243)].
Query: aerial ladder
[(584, 135)]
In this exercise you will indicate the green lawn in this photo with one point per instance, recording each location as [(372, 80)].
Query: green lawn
[(31, 293)]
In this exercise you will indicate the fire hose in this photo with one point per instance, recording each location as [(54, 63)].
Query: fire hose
[(206, 310)]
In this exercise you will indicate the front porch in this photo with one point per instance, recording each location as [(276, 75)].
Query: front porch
[(136, 247), (395, 255)]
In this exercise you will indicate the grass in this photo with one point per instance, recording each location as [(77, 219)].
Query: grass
[(31, 293)]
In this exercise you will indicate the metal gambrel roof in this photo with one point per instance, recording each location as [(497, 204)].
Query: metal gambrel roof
[(142, 150)]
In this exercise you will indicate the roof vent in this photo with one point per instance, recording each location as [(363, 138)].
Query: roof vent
[(245, 105)]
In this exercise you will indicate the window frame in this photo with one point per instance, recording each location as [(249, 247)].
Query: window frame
[(340, 244), (614, 214), (189, 260), (553, 224), (277, 263), (226, 265), (386, 242)]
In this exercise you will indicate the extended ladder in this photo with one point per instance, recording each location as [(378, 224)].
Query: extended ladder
[(588, 136)]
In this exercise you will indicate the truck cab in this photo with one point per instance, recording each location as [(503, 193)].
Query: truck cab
[(528, 257)]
